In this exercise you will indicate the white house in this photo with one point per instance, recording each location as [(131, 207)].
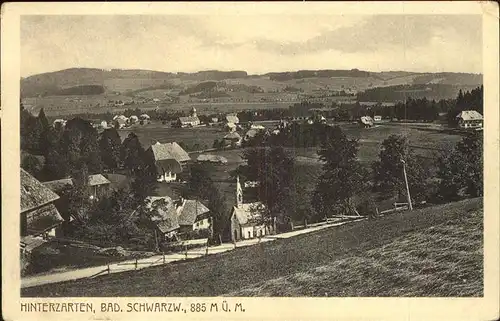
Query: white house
[(190, 121), (470, 119), (247, 219)]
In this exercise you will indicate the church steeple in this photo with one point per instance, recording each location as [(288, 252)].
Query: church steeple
[(239, 192), (193, 112)]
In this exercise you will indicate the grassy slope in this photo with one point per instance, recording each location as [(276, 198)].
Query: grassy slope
[(430, 252)]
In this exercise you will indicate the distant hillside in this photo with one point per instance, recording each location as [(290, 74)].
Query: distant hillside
[(401, 92), (135, 80)]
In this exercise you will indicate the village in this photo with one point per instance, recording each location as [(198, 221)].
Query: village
[(119, 196)]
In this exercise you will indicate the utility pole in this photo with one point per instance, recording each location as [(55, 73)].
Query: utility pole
[(410, 207)]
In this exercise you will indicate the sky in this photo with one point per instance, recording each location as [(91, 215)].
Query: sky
[(254, 43)]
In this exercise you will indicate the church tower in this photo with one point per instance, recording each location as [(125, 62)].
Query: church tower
[(193, 112), (239, 193)]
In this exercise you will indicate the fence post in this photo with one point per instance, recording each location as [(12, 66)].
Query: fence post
[(136, 263), (109, 270), (163, 257), (186, 248)]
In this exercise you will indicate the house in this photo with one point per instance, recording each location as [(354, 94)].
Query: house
[(207, 158), (192, 215), (39, 215), (470, 119), (62, 187), (190, 121), (230, 127), (165, 216), (133, 119), (247, 219), (232, 139), (257, 127), (250, 134), (377, 118), (366, 121), (169, 160), (144, 117), (99, 186), (59, 123), (173, 218), (232, 119), (120, 121)]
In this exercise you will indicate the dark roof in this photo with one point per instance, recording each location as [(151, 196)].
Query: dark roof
[(190, 211), (43, 219), (59, 185), (33, 193), (118, 180), (169, 151)]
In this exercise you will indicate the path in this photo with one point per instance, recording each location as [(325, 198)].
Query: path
[(157, 260)]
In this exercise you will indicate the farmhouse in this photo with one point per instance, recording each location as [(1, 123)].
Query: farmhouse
[(232, 119), (470, 119), (169, 159), (232, 139), (366, 121), (39, 216), (172, 218), (190, 121), (59, 123), (99, 186), (120, 121), (247, 219), (133, 119)]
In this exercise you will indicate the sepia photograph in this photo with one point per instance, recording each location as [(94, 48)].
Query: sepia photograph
[(237, 154)]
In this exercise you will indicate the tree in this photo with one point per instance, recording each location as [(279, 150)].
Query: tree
[(388, 170), (199, 183), (79, 197), (79, 145), (32, 165), (132, 153), (343, 176), (219, 211), (272, 167), (110, 148), (461, 171)]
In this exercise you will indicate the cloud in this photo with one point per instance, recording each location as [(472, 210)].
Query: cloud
[(252, 43), (378, 32)]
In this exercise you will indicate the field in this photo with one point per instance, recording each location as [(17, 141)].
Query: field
[(308, 165), (435, 251)]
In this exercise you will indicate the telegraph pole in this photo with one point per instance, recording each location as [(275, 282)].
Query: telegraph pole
[(410, 207)]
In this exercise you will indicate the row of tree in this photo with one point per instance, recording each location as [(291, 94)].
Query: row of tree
[(346, 186)]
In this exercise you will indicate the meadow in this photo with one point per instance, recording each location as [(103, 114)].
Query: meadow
[(431, 252)]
